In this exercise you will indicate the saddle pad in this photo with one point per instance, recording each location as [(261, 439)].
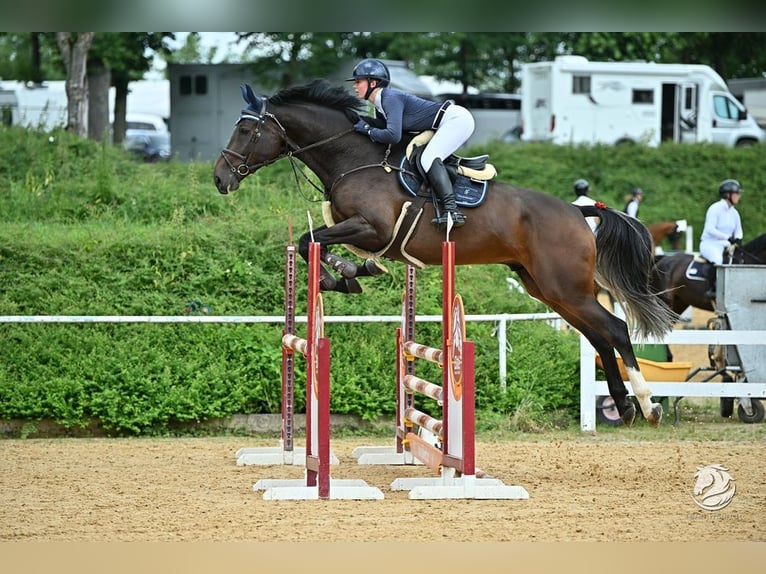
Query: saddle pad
[(696, 271), (468, 192)]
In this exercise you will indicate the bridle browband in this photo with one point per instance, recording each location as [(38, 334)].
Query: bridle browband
[(291, 149)]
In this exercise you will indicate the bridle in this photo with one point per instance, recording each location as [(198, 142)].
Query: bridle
[(291, 148)]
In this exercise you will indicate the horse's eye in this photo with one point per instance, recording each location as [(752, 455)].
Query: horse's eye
[(244, 130)]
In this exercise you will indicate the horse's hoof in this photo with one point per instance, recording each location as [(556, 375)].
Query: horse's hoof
[(655, 417), (350, 286), (327, 283), (374, 268), (628, 416)]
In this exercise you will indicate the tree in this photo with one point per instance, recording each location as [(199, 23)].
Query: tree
[(285, 58), (118, 58), (74, 49)]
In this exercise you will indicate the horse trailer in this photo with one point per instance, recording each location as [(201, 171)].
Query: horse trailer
[(572, 100)]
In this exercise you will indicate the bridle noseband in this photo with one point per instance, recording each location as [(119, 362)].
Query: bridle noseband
[(260, 119)]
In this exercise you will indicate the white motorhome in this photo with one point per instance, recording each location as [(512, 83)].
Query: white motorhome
[(575, 101)]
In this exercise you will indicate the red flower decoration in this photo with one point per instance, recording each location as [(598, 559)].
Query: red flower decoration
[(600, 205)]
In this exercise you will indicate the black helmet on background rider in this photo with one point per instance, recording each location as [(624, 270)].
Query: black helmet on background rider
[(729, 186), (581, 187), (371, 69)]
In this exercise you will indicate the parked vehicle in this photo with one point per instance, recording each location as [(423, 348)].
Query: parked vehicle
[(497, 116), (575, 101), (149, 145)]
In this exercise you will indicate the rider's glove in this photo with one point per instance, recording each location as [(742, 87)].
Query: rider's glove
[(362, 127), (734, 241)]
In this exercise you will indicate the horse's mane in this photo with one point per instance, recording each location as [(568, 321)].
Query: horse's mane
[(318, 92), (756, 245)]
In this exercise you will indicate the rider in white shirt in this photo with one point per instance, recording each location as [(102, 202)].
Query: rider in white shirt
[(723, 228), (581, 189), (636, 196)]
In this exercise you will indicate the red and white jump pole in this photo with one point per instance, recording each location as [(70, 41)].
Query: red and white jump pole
[(453, 457), (318, 483)]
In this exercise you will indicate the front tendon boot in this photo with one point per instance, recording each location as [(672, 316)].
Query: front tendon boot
[(442, 186)]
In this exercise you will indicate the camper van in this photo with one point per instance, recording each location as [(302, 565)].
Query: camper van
[(575, 101)]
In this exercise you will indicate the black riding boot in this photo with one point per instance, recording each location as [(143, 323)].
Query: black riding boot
[(711, 283), (442, 186)]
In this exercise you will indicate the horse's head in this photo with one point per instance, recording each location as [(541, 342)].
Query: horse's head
[(258, 139)]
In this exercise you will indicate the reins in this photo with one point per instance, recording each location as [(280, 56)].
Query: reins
[(293, 149)]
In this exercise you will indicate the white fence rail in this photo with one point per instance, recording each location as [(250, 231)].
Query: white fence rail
[(590, 388), (501, 319)]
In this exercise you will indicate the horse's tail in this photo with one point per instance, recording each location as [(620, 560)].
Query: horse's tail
[(624, 265)]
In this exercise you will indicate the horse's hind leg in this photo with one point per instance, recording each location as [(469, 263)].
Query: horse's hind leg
[(613, 334), (606, 333)]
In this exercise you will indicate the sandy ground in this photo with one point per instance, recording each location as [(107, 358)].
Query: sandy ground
[(594, 488)]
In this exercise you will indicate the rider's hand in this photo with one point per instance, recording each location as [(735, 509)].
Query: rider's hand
[(362, 127), (734, 241)]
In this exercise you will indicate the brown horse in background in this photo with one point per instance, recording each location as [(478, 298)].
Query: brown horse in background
[(543, 239), (679, 291), (665, 229)]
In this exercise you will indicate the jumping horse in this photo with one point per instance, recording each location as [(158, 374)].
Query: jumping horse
[(544, 240), (681, 278)]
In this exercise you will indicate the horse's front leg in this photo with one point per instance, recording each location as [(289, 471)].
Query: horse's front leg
[(348, 270)]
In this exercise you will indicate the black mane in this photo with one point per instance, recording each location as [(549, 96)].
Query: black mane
[(318, 92)]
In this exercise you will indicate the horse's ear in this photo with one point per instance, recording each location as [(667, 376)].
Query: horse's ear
[(250, 97)]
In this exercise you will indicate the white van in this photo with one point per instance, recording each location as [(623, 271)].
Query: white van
[(574, 101)]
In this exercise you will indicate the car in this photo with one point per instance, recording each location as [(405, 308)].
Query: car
[(151, 146)]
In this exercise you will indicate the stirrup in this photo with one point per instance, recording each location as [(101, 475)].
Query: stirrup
[(458, 219)]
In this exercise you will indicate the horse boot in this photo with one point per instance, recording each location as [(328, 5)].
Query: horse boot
[(442, 186)]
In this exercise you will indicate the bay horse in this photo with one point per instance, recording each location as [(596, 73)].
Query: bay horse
[(543, 239), (662, 229), (671, 280)]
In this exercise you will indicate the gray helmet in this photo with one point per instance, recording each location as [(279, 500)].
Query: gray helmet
[(637, 191), (581, 187), (372, 69), (729, 186)]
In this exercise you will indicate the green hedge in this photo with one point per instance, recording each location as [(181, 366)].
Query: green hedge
[(86, 230)]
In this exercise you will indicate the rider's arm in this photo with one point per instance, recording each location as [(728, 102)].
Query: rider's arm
[(710, 229), (394, 109)]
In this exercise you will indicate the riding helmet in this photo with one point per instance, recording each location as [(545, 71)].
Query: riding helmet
[(637, 191), (372, 69), (729, 186), (581, 187)]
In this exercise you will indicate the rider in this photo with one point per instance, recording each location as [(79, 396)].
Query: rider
[(403, 111), (723, 228), (581, 189), (631, 207)]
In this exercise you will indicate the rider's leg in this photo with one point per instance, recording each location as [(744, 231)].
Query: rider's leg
[(442, 186)]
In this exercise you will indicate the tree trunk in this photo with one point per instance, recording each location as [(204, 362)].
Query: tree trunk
[(99, 79), (74, 53), (120, 109)]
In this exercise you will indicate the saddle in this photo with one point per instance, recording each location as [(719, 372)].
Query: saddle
[(469, 175), (698, 269)]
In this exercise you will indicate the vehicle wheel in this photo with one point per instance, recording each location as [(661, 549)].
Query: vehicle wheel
[(757, 415), (606, 412)]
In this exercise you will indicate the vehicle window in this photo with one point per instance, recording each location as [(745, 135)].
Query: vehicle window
[(140, 126), (725, 108), (581, 84)]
